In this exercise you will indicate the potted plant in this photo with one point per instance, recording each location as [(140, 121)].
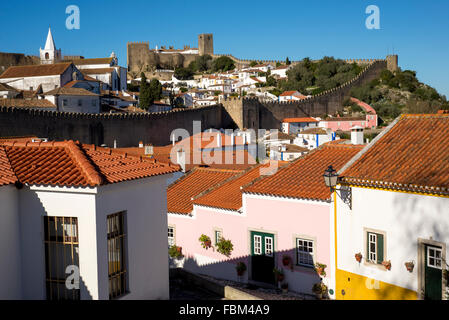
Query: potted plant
[(284, 287), (175, 252), (206, 243), (387, 264), (319, 289), (319, 267), (358, 257), (286, 260), (279, 274), (241, 268), (225, 247), (410, 265)]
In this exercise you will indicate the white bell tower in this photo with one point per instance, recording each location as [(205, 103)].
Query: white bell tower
[(50, 54)]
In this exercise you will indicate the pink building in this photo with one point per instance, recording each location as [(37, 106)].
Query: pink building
[(266, 217), (346, 123)]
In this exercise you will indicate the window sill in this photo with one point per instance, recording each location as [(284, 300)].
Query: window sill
[(375, 265)]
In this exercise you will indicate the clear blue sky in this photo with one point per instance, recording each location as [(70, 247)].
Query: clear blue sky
[(417, 30)]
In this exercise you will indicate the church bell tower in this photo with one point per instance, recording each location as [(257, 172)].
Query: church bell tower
[(50, 54)]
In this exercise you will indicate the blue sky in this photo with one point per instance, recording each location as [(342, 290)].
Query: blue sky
[(418, 31)]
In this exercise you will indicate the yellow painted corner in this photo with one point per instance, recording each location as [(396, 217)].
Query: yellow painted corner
[(357, 287)]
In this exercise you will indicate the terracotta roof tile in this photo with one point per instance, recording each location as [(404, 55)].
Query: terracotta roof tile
[(7, 175), (97, 71), (303, 178), (412, 155), (180, 193), (69, 163), (68, 91), (297, 120), (228, 195), (35, 70), (24, 103)]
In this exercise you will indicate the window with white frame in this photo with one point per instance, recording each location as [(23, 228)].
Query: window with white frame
[(218, 236), (269, 246), (434, 257), (171, 236), (375, 247), (304, 252), (257, 245)]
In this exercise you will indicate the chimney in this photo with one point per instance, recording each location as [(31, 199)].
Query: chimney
[(115, 144), (218, 139), (140, 144), (357, 135), (148, 150), (173, 139), (181, 159)]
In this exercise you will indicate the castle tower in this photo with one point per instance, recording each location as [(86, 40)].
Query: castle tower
[(206, 44), (392, 62), (50, 54)]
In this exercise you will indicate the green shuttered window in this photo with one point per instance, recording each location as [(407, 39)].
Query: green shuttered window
[(375, 247)]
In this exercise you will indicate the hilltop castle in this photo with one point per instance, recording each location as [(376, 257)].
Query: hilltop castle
[(142, 58)]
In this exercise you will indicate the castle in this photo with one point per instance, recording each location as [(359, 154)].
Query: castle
[(143, 59)]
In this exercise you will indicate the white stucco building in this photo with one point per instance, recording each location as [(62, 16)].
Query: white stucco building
[(394, 213), (69, 208)]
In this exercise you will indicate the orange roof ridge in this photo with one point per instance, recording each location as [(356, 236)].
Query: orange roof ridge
[(425, 115), (218, 185), (79, 157)]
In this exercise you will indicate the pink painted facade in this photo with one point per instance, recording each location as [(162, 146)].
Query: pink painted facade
[(345, 124), (286, 219)]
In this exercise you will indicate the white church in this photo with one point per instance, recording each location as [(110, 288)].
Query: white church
[(50, 54)]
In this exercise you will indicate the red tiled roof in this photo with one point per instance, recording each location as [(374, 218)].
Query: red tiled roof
[(69, 91), (412, 155), (303, 178), (70, 163), (180, 193), (364, 105), (7, 175), (290, 93), (241, 159), (35, 70), (297, 120), (97, 71), (23, 103), (228, 195)]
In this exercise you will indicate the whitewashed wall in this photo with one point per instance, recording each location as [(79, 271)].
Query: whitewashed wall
[(10, 263), (404, 217), (145, 201)]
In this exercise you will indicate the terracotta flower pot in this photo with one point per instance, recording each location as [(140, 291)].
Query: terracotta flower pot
[(240, 273), (409, 266), (286, 261), (387, 264), (281, 277), (358, 257)]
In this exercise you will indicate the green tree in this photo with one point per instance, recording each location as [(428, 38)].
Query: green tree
[(253, 63), (183, 74), (145, 95), (223, 64), (155, 90)]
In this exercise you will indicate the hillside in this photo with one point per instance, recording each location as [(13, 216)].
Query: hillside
[(400, 92)]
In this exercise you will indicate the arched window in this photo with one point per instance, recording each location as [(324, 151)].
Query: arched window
[(47, 56)]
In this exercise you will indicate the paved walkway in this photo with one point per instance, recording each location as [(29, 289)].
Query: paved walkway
[(263, 293)]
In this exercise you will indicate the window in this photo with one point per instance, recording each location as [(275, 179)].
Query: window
[(269, 246), (64, 102), (117, 255), (434, 257), (80, 103), (304, 252), (375, 247), (171, 236), (31, 88), (61, 251), (257, 244), (218, 236)]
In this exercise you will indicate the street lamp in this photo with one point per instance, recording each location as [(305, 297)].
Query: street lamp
[(330, 177)]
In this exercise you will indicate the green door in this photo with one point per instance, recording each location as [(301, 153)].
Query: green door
[(262, 257), (433, 273)]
